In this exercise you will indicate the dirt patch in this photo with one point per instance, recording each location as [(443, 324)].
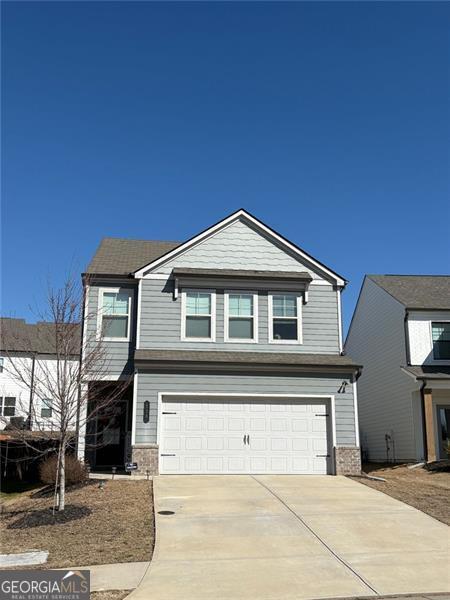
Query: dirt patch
[(102, 525), (428, 491), (113, 595)]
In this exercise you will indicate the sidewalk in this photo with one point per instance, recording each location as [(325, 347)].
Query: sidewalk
[(117, 576)]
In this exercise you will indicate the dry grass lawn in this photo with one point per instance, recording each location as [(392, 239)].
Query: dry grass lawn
[(113, 595), (99, 526), (426, 490)]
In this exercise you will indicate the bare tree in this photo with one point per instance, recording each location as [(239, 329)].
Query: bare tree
[(64, 367)]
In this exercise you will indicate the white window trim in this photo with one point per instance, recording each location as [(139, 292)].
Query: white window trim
[(113, 290), (437, 361), (226, 317), (212, 316), (299, 339)]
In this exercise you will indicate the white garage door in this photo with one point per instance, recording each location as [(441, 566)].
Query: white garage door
[(242, 435)]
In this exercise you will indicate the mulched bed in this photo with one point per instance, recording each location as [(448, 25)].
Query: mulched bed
[(427, 490), (99, 526)]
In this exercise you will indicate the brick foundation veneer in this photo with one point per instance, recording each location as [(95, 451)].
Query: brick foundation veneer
[(146, 457), (348, 460)]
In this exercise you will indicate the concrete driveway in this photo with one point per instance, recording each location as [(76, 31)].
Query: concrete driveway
[(289, 537)]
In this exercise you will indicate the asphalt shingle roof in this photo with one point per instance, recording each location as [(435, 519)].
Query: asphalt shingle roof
[(118, 256), (16, 335), (246, 358), (429, 372), (417, 291)]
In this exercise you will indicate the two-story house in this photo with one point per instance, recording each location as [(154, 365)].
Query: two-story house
[(400, 331), (28, 359), (232, 345)]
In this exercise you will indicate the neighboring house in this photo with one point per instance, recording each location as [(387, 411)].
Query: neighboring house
[(232, 345), (31, 347), (400, 331)]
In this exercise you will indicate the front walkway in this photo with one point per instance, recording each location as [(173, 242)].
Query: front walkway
[(289, 537)]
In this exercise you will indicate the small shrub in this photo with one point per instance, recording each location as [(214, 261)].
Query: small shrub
[(75, 471)]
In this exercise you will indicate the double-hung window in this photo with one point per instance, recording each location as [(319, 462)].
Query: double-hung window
[(115, 313), (198, 322), (8, 406), (285, 318), (241, 317), (46, 408), (440, 333)]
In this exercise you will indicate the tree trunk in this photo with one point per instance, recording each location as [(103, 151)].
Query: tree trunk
[(62, 478)]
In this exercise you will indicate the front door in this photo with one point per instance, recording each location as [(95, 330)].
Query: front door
[(444, 433), (111, 437)]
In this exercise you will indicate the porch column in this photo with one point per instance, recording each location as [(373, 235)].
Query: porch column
[(429, 426)]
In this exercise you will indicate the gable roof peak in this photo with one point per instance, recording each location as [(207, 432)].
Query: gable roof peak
[(257, 224)]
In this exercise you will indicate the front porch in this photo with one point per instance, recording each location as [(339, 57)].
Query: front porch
[(437, 423), (108, 434)]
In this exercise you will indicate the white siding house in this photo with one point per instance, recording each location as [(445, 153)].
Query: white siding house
[(400, 333)]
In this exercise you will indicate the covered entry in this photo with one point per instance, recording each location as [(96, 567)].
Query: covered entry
[(245, 434)]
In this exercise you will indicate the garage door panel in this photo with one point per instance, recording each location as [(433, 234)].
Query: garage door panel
[(193, 443), (257, 424), (248, 435), (235, 424), (193, 424)]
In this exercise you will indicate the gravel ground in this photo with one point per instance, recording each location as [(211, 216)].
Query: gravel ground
[(426, 490), (99, 526)]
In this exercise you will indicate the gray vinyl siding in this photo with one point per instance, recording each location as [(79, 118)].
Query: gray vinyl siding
[(376, 340), (160, 325), (119, 355), (239, 246), (150, 384)]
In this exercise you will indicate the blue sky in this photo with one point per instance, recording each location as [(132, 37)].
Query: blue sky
[(328, 121)]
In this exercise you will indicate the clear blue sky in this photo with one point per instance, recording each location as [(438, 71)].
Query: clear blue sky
[(328, 121)]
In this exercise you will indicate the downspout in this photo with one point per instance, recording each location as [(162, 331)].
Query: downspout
[(424, 425), (77, 425), (30, 407)]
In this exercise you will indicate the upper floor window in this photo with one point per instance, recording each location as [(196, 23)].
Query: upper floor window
[(46, 408), (284, 318), (241, 317), (198, 315), (441, 340), (7, 406), (115, 312)]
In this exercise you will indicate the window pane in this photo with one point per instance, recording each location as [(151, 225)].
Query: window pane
[(441, 331), (46, 412), (441, 350), (285, 329), (284, 306), (198, 303), (240, 305), (115, 303), (9, 409), (121, 304), (241, 329), (198, 327), (441, 340), (114, 327)]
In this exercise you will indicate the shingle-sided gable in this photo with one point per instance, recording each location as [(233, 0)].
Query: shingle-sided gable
[(241, 245)]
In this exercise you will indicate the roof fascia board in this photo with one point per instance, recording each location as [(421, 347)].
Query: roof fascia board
[(228, 221)]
